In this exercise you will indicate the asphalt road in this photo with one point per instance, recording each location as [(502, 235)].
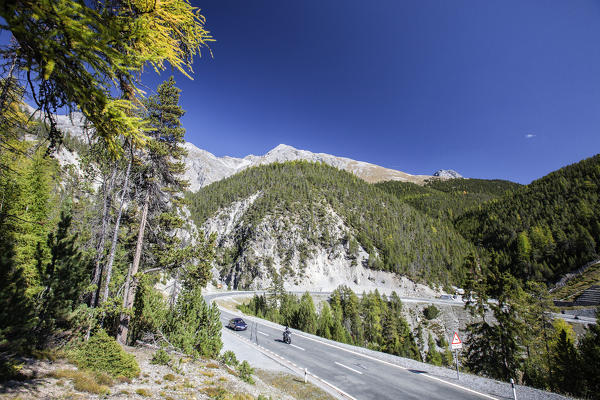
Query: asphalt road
[(358, 375)]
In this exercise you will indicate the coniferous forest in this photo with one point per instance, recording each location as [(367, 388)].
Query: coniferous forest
[(82, 246)]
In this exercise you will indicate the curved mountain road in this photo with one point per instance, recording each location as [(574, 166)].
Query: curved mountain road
[(353, 374)]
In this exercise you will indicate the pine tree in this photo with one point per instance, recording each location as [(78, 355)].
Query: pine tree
[(433, 356), (589, 350), (63, 280), (495, 350), (566, 375), (325, 323), (306, 316), (193, 326), (159, 185), (371, 308)]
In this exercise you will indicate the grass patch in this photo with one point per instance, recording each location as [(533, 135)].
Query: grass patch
[(211, 365), (293, 386), (214, 392), (143, 392), (188, 385), (207, 373), (49, 354), (169, 377), (242, 396), (85, 381)]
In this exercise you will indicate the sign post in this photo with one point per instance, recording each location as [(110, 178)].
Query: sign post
[(456, 345)]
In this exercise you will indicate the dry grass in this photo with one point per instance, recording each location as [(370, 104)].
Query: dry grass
[(49, 354), (242, 396), (170, 377), (212, 365), (214, 392), (207, 373), (143, 392), (85, 381), (188, 385), (293, 386)]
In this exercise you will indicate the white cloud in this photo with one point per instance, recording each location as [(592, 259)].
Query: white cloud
[(529, 136)]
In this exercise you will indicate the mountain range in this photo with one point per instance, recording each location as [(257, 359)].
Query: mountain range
[(204, 168)]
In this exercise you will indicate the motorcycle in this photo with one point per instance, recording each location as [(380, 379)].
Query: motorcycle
[(287, 337)]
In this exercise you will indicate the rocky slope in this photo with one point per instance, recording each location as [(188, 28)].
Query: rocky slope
[(318, 227), (269, 252), (185, 378)]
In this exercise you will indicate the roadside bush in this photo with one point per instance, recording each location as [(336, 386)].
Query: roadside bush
[(245, 372), (103, 354), (229, 358), (430, 312), (193, 326)]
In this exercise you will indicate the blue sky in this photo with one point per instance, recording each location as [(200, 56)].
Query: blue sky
[(493, 89)]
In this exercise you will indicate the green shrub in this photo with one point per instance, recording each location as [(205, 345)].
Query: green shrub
[(245, 372), (10, 369), (160, 357), (228, 358), (103, 354), (430, 312)]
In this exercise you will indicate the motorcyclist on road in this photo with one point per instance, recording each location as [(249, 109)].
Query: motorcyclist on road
[(287, 335)]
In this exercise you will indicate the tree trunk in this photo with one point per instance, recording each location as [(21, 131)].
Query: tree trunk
[(131, 282), (173, 295), (7, 83), (96, 280), (113, 247)]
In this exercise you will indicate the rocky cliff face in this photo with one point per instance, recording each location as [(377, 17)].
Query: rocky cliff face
[(278, 246)]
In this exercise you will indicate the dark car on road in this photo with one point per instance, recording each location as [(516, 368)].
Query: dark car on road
[(237, 324)]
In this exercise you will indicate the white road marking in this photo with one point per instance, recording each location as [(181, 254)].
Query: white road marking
[(298, 347), (347, 367), (262, 333), (374, 359), (283, 359), (398, 366)]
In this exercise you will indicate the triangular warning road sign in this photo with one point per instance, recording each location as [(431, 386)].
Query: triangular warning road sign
[(456, 339)]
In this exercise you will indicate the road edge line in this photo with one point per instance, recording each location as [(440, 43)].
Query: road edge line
[(397, 366), (365, 356), (283, 361)]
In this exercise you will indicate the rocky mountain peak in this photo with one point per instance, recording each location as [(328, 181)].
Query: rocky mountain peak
[(204, 168), (447, 174)]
